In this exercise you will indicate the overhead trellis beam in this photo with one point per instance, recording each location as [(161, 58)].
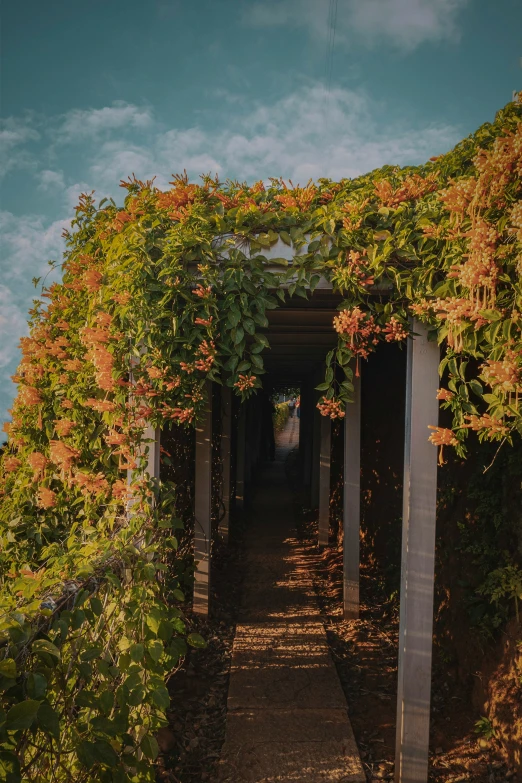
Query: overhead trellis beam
[(418, 560), (203, 507), (352, 504)]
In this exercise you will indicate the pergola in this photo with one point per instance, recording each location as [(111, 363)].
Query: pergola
[(300, 334)]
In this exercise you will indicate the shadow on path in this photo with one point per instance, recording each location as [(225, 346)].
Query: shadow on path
[(287, 716)]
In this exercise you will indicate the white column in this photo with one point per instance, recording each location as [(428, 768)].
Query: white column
[(352, 503), (240, 458), (418, 560), (316, 454), (202, 507), (226, 430), (324, 481)]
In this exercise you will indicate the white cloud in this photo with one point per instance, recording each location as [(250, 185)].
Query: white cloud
[(14, 133), (305, 135), (80, 124), (49, 180), (405, 24)]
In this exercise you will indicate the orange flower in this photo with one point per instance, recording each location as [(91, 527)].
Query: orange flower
[(155, 372), (30, 396), (441, 436), (37, 462), (115, 438), (394, 330), (63, 455), (245, 382), (11, 464), (67, 404), (445, 394), (92, 279), (46, 498), (100, 405), (64, 426), (121, 490), (90, 483), (331, 408), (123, 298), (201, 291)]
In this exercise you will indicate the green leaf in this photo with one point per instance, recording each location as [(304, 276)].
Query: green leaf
[(136, 652), (322, 387), (48, 720), (36, 685), (155, 649), (91, 653), (22, 715), (196, 640), (285, 236), (8, 668), (96, 605), (100, 752), (149, 747), (9, 767), (161, 698), (44, 646)]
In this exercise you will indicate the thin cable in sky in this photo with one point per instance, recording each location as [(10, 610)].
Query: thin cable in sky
[(330, 48)]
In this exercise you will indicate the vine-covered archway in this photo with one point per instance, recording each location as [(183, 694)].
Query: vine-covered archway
[(159, 297)]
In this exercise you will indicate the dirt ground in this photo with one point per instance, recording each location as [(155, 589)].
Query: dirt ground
[(365, 652)]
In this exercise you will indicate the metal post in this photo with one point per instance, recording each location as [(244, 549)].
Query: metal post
[(316, 451), (324, 481), (418, 561), (240, 459), (226, 431), (202, 507), (352, 504)]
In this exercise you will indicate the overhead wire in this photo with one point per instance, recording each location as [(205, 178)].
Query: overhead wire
[(329, 62)]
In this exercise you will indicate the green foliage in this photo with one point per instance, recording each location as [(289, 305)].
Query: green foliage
[(485, 728), (281, 416), (157, 298)]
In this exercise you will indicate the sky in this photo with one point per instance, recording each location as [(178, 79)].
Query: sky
[(249, 89)]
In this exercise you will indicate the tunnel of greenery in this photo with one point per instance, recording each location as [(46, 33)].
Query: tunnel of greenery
[(159, 296)]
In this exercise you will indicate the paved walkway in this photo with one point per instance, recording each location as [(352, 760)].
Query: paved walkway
[(287, 716)]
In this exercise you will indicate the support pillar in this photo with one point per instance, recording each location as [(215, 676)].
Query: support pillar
[(240, 458), (316, 446), (324, 480), (226, 433), (202, 507), (352, 504), (418, 561)]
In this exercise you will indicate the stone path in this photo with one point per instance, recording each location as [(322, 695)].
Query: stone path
[(287, 715)]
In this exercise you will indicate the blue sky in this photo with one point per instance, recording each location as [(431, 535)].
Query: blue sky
[(92, 92)]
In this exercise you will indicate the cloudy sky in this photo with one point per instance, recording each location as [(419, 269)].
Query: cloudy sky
[(92, 92)]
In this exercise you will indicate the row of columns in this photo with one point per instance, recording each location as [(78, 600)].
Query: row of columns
[(418, 532), (418, 545)]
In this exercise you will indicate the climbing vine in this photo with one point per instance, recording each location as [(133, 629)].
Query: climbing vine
[(156, 297)]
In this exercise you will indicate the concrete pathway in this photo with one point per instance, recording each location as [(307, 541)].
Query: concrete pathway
[(287, 715)]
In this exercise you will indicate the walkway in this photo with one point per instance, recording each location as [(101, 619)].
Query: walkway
[(287, 716)]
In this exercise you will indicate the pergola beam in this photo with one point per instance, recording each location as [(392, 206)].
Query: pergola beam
[(418, 561)]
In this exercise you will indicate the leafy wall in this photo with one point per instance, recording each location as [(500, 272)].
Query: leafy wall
[(151, 305)]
